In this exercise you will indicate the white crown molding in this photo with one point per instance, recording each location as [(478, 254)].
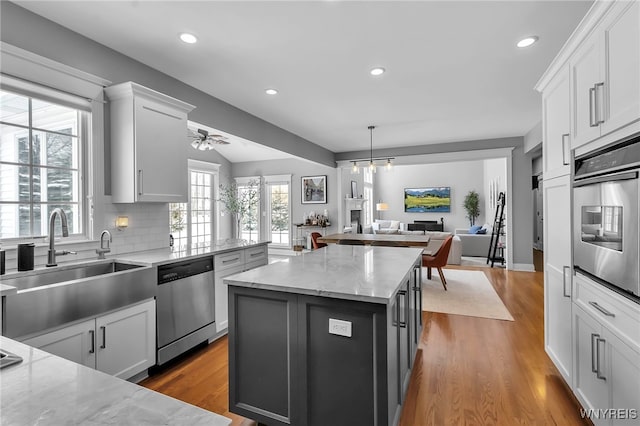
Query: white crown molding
[(129, 89)]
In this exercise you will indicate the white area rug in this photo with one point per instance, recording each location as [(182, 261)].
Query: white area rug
[(468, 293)]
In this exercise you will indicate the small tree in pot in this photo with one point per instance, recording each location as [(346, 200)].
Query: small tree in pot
[(241, 203), (472, 206)]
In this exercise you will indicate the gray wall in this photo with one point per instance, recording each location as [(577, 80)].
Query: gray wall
[(297, 168), (522, 214), (31, 32), (389, 188)]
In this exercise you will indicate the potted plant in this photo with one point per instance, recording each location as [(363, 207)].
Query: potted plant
[(472, 206), (242, 203)]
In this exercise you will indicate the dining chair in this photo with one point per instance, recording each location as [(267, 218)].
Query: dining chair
[(438, 260), (314, 240)]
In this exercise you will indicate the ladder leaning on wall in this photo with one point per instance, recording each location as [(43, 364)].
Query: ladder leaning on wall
[(496, 247)]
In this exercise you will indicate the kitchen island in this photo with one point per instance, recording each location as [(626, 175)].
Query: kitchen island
[(47, 389), (328, 337)]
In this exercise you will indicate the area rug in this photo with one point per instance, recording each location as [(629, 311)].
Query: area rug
[(468, 293)]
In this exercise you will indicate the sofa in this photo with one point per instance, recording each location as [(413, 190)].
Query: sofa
[(474, 244), (395, 227)]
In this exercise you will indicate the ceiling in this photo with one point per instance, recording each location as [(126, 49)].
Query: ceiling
[(453, 70)]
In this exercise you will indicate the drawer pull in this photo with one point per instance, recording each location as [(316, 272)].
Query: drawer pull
[(603, 310), (256, 254), (231, 260)]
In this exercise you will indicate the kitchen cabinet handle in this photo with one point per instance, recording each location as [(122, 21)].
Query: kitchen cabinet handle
[(601, 309), (403, 324), (398, 348), (140, 182), (598, 107), (104, 337), (256, 254), (92, 336), (564, 281), (231, 260), (599, 374), (418, 288), (594, 367), (565, 151), (592, 96)]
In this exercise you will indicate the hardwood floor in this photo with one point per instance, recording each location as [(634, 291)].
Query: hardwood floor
[(470, 371)]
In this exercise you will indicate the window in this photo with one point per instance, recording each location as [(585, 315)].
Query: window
[(41, 152), (368, 195), (249, 195), (191, 224), (278, 208)]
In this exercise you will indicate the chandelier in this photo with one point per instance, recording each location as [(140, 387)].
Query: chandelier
[(371, 163)]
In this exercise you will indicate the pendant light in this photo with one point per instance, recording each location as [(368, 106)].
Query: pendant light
[(372, 165)]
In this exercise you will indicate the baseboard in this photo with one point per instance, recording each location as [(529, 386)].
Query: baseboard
[(526, 267)]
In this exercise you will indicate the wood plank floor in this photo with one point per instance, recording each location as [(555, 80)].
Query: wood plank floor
[(470, 371)]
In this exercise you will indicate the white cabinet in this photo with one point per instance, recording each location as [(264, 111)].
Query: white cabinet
[(227, 264), (557, 273), (604, 72), (607, 353), (75, 343), (556, 125), (149, 145), (120, 343)]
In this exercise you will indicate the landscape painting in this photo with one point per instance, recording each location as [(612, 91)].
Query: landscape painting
[(427, 200)]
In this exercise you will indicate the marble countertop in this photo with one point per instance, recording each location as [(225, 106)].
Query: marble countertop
[(363, 273), (168, 255), (47, 389), (5, 290)]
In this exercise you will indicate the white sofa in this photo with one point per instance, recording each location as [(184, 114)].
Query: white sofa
[(474, 244)]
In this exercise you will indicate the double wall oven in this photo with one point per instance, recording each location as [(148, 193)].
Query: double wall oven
[(606, 225)]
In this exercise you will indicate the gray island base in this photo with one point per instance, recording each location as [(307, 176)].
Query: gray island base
[(327, 338)]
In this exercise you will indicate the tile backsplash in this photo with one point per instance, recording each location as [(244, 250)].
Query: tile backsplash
[(148, 229)]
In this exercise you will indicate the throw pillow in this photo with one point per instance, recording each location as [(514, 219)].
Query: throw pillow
[(375, 227), (481, 231), (474, 229), (395, 224)]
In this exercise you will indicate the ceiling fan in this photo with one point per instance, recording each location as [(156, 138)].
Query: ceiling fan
[(204, 141)]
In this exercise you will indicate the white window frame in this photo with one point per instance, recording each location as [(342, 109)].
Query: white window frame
[(276, 180), (213, 169), (46, 79), (244, 181)]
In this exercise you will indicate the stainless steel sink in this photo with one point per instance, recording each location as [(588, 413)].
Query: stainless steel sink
[(49, 298), (66, 273)]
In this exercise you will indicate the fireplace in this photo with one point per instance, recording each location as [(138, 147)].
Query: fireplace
[(356, 222)]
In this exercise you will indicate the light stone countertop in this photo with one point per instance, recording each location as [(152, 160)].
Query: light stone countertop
[(7, 289), (47, 389), (363, 273), (168, 255)]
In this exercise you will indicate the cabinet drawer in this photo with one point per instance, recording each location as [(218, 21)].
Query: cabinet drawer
[(228, 260), (254, 254), (612, 310)]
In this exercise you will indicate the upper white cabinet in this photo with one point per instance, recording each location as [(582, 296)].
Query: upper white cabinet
[(148, 145), (605, 71), (556, 125)]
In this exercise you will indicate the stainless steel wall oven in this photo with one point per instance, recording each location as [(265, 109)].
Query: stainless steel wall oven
[(606, 226)]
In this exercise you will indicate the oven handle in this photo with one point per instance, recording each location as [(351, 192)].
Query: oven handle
[(607, 178)]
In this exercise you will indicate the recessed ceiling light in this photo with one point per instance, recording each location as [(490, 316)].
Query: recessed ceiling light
[(377, 71), (527, 41), (271, 92), (188, 38)]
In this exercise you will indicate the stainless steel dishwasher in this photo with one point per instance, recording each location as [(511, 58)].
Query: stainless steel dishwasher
[(185, 306)]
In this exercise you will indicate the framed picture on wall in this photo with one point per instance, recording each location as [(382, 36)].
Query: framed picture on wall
[(314, 189), (427, 200)]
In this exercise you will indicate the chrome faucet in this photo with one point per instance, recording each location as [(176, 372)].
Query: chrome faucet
[(51, 255), (102, 250)]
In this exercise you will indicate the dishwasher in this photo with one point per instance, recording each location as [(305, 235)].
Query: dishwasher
[(185, 306)]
